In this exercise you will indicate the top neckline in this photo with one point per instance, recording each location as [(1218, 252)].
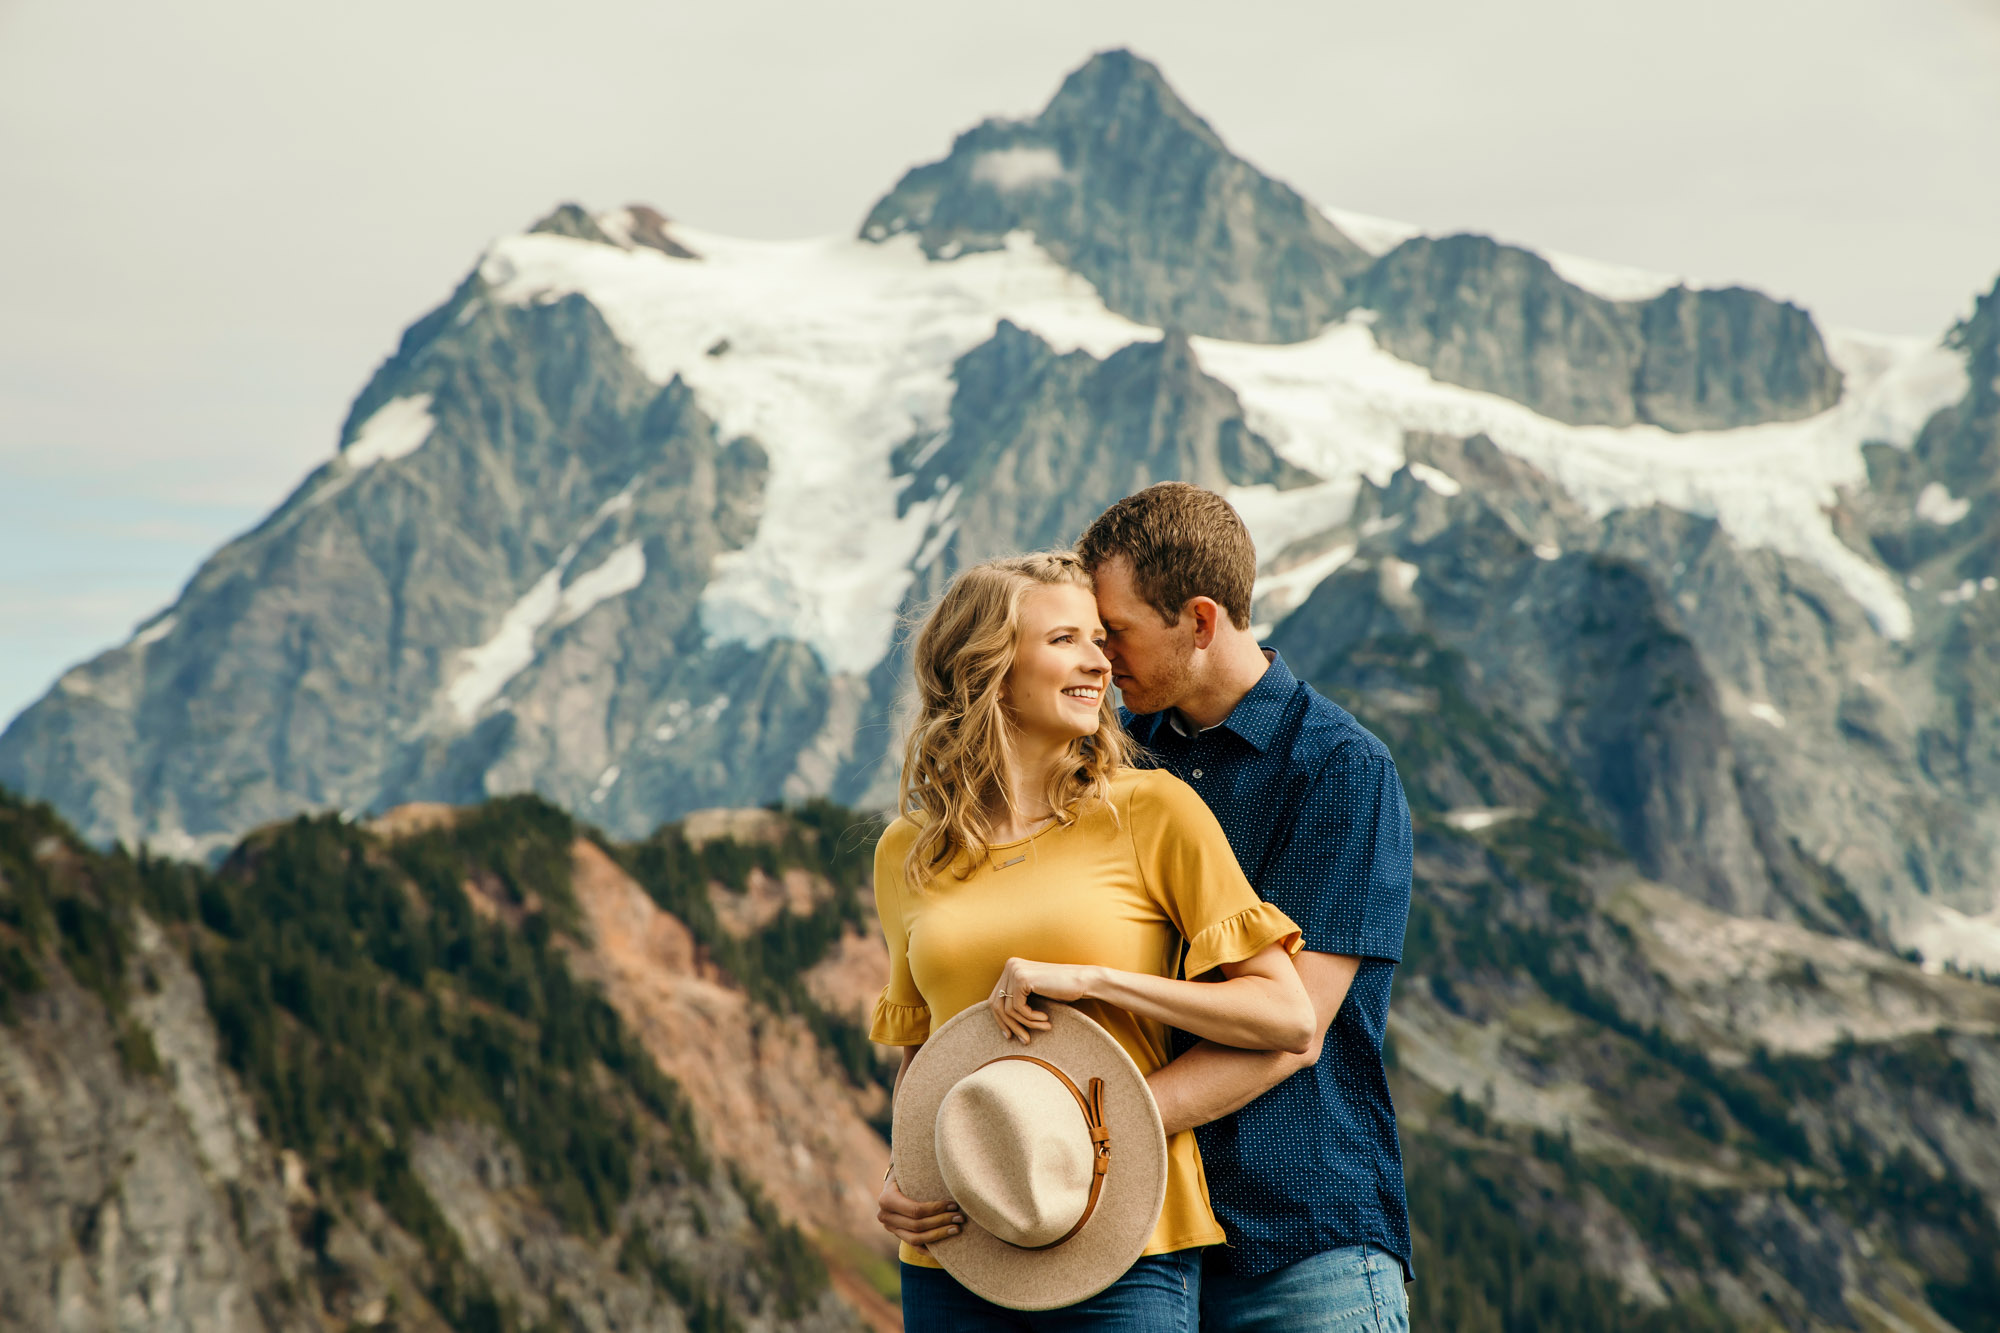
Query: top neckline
[(1051, 824)]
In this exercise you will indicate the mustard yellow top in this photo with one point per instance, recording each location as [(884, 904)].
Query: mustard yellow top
[(1122, 887)]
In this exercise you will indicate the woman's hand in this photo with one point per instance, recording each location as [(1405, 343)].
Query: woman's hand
[(915, 1223), (1021, 979)]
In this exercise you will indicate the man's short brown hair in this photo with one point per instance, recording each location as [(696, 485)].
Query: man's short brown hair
[(1182, 541)]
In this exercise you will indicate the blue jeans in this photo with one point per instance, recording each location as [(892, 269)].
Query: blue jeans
[(1159, 1294), (1354, 1289)]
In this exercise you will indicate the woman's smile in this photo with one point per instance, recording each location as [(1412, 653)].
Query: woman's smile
[(1060, 649)]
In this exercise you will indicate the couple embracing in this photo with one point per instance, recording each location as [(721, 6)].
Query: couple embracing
[(1140, 957)]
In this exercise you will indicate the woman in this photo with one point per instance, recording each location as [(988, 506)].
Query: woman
[(1033, 858)]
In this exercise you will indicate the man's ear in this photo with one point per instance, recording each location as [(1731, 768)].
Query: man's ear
[(1207, 614)]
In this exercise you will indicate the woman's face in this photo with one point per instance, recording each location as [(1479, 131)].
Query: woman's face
[(1057, 682)]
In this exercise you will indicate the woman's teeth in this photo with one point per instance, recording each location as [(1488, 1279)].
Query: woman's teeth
[(1084, 692)]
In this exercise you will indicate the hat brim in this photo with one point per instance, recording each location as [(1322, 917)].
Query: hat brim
[(1134, 1190)]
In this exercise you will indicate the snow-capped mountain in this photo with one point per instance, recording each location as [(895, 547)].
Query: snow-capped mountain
[(632, 519)]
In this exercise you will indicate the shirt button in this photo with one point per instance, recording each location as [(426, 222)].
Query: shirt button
[(1197, 772)]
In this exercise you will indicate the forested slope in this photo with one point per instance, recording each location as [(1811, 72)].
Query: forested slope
[(484, 1069)]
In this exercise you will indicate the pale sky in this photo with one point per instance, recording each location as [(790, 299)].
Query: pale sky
[(216, 216)]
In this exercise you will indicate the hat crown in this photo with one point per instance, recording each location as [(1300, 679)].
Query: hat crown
[(1016, 1152)]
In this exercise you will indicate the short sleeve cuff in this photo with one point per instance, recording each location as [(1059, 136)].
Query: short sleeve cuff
[(899, 1024), (1242, 936), (1356, 944)]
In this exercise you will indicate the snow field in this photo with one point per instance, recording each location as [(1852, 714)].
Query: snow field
[(838, 350), (1338, 406)]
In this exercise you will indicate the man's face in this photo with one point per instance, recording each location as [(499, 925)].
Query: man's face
[(1152, 662)]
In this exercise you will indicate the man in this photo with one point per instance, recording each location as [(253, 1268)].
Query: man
[(1303, 1164)]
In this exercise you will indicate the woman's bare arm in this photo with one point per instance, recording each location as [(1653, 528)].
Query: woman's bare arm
[(1260, 1004)]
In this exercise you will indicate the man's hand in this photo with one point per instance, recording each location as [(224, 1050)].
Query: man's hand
[(915, 1223)]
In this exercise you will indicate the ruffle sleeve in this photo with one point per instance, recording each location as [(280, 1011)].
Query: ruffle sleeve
[(901, 1017), (1235, 938), (896, 1024)]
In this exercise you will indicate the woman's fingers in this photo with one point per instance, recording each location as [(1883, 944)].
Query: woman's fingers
[(1003, 1014), (1019, 1008), (897, 1208), (922, 1223), (1027, 1015), (917, 1222), (1001, 1001), (1019, 1019), (937, 1221), (922, 1238)]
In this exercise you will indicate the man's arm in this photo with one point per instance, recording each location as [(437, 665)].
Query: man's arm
[(1211, 1081)]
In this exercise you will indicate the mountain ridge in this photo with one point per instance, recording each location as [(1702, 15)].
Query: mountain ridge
[(633, 517)]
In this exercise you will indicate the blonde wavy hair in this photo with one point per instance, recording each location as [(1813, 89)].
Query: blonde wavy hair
[(955, 758)]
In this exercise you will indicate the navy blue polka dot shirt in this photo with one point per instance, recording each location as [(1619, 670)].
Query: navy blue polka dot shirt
[(1312, 806)]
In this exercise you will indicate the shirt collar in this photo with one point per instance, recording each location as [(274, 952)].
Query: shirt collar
[(1257, 714)]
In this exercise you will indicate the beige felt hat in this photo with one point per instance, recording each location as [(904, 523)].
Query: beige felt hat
[(1054, 1152)]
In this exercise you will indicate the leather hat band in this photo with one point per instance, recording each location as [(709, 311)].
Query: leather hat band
[(1092, 1105)]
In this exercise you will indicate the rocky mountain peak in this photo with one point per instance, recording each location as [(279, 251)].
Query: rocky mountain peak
[(572, 220), (1124, 184), (629, 227), (1117, 96), (1500, 318)]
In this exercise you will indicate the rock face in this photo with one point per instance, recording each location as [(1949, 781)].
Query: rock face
[(434, 623), (1125, 185), (771, 1097), (135, 1202), (1578, 647), (1932, 514), (1040, 444), (1566, 1029), (1731, 714), (1499, 318)]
